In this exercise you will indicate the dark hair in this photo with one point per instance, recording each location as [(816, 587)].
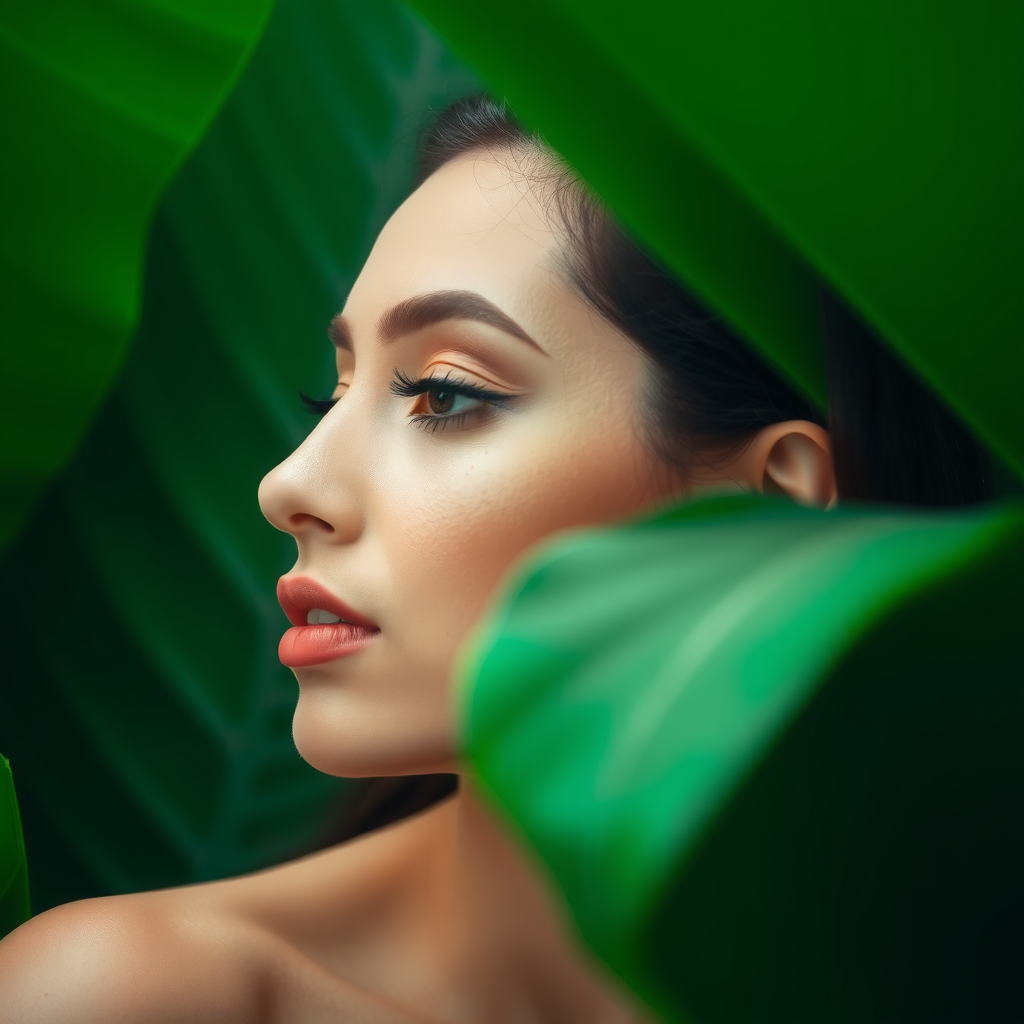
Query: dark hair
[(892, 440)]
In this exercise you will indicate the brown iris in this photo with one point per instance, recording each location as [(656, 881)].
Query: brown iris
[(440, 401)]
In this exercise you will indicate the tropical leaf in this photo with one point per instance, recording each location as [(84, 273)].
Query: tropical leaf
[(101, 102), (757, 146), (144, 706), (771, 754), (14, 905)]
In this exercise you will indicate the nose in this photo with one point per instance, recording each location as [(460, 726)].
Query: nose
[(309, 496)]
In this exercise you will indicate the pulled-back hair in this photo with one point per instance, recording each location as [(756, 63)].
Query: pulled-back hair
[(707, 392)]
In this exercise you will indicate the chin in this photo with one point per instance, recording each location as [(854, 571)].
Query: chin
[(344, 742)]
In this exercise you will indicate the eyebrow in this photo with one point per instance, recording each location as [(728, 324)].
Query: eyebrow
[(433, 308)]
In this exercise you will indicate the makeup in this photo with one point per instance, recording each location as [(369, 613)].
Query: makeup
[(323, 629)]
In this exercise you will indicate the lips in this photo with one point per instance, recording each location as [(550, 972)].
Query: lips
[(306, 644)]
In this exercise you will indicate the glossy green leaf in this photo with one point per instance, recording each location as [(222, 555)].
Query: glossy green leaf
[(757, 145), (143, 699), (14, 905), (100, 102), (771, 755)]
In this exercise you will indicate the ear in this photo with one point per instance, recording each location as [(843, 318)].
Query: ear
[(792, 458)]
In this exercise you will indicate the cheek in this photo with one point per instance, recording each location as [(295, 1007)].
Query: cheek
[(457, 529)]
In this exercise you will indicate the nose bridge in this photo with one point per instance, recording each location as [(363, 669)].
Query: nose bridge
[(316, 489)]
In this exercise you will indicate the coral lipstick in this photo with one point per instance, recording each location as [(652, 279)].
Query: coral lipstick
[(314, 637)]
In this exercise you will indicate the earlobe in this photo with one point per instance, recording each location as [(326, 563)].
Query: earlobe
[(797, 462)]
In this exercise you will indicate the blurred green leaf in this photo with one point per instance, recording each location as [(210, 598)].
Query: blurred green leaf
[(14, 905), (757, 145), (100, 102), (143, 698), (772, 755)]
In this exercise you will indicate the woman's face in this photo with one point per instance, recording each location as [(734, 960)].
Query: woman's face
[(408, 508)]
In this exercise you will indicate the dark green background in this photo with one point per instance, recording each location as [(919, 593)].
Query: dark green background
[(100, 102), (756, 147), (145, 713)]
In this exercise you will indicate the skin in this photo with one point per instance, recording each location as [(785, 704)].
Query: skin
[(412, 522)]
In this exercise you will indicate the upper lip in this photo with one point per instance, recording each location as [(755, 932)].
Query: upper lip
[(298, 594)]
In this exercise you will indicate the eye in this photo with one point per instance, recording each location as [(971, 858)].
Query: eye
[(447, 402), (319, 406), (444, 400)]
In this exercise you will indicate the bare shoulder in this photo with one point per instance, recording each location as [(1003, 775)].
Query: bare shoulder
[(148, 957), (263, 947)]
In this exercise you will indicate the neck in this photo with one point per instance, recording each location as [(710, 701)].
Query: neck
[(508, 941)]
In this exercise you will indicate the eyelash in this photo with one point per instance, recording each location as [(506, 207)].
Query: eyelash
[(317, 406), (406, 387)]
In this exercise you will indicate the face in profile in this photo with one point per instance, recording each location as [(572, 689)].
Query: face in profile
[(480, 406)]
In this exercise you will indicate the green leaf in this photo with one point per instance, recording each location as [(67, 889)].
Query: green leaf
[(756, 145), (14, 907), (771, 754), (101, 102), (143, 697)]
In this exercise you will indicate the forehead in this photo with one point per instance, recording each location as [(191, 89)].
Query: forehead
[(478, 223)]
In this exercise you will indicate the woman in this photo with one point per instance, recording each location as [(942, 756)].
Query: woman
[(509, 364)]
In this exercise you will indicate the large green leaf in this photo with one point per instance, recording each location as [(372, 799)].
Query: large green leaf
[(14, 905), (100, 102), (772, 755), (757, 145), (143, 704)]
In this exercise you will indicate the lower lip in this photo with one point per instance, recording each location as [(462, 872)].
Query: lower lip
[(313, 645)]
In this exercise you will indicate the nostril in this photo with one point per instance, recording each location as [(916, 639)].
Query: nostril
[(305, 521)]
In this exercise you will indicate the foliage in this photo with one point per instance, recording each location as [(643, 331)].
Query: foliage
[(768, 754), (144, 707), (771, 754), (14, 904), (759, 146), (740, 856), (101, 103)]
